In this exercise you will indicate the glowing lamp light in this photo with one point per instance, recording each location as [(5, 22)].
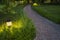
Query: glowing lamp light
[(9, 23), (35, 4)]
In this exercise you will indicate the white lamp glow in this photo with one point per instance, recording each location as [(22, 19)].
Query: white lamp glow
[(9, 23)]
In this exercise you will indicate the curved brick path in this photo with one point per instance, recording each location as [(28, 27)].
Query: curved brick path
[(45, 29)]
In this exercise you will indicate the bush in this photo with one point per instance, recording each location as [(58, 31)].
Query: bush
[(22, 27), (25, 32)]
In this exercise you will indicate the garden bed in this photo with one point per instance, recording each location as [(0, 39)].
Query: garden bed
[(22, 27)]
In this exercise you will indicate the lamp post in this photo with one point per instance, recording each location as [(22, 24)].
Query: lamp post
[(8, 24)]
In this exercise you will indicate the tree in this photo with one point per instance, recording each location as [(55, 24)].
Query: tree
[(42, 1)]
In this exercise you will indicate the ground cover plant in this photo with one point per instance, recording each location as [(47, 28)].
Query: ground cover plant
[(52, 12), (21, 27)]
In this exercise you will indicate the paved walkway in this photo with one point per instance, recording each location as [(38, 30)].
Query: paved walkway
[(45, 29)]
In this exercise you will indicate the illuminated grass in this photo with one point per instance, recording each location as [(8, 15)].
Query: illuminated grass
[(22, 27)]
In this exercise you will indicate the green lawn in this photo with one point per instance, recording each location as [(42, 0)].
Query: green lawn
[(52, 12), (22, 27)]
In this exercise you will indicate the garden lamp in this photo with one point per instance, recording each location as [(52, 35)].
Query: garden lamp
[(9, 23)]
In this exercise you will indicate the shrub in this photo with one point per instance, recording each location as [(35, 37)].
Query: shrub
[(22, 27)]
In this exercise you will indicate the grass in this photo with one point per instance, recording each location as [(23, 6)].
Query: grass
[(52, 12), (22, 28)]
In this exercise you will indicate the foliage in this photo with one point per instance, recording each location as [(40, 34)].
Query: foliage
[(47, 1), (25, 32), (22, 27)]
